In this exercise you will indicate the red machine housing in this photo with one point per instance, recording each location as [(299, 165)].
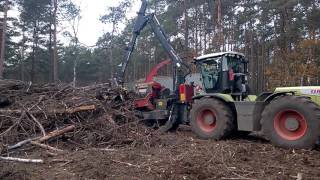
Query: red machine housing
[(151, 88), (155, 70)]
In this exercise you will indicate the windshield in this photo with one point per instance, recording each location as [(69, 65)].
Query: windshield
[(210, 73)]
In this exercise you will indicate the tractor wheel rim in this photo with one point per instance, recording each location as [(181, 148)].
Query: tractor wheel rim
[(206, 120), (290, 125)]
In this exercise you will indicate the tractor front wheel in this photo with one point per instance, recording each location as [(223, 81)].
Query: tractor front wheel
[(292, 122), (211, 119)]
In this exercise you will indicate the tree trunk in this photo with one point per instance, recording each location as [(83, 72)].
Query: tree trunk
[(75, 62), (219, 26), (186, 26), (34, 51), (3, 41), (75, 29), (55, 51), (74, 82), (111, 51), (23, 48), (50, 47)]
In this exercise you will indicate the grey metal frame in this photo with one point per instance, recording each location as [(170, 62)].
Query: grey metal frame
[(142, 21)]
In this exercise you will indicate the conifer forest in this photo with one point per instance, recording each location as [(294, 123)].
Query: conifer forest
[(169, 89)]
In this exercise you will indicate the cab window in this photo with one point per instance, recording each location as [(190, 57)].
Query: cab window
[(210, 73), (236, 65)]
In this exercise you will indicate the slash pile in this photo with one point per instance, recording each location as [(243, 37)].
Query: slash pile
[(60, 132), (95, 114)]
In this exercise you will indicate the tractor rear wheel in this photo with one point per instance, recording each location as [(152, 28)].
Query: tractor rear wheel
[(291, 122), (211, 119)]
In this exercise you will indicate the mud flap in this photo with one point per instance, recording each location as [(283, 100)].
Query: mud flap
[(249, 115)]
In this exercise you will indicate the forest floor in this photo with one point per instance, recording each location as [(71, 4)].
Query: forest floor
[(105, 141), (177, 155)]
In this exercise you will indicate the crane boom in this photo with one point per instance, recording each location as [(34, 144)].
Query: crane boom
[(140, 24)]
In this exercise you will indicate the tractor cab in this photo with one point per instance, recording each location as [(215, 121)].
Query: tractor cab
[(224, 72)]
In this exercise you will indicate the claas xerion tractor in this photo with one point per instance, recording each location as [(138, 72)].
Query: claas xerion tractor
[(288, 117)]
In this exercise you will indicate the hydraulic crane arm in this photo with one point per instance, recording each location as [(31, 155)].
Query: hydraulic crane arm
[(140, 24)]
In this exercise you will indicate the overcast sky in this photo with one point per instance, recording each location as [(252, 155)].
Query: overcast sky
[(91, 28)]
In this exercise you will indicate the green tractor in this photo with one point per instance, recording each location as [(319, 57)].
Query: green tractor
[(289, 117)]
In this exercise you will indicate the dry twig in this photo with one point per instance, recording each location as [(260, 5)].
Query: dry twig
[(44, 146)]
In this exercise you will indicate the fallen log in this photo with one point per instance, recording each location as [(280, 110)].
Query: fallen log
[(22, 160), (9, 111), (81, 108), (38, 140), (56, 133)]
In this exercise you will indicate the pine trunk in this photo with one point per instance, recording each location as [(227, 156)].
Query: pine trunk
[(23, 49), (3, 40), (34, 51), (186, 25), (55, 51)]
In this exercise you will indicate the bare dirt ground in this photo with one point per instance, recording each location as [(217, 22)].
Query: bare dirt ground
[(177, 155)]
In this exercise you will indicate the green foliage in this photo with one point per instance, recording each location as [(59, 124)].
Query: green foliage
[(116, 14), (279, 37)]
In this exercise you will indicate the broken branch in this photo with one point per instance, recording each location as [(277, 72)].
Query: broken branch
[(44, 146), (35, 120), (81, 108), (21, 143), (56, 133), (22, 160)]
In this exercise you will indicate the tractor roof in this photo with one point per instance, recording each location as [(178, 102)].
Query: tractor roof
[(214, 55)]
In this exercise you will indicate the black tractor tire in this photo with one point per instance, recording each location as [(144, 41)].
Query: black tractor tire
[(223, 126), (304, 131)]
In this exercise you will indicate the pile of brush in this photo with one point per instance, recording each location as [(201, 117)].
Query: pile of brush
[(68, 117)]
